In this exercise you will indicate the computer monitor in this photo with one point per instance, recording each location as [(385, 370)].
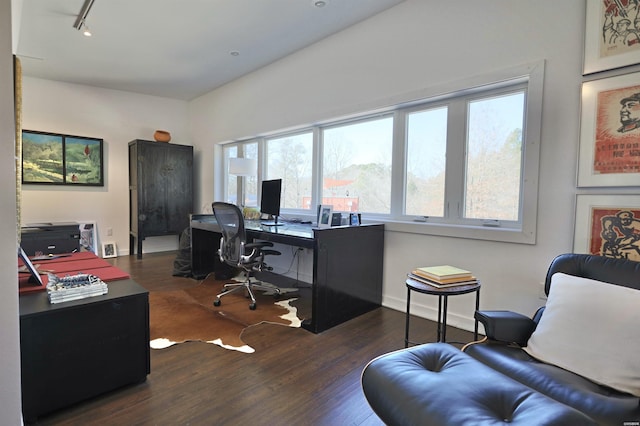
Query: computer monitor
[(270, 199)]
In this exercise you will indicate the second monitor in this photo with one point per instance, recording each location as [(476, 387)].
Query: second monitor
[(270, 200)]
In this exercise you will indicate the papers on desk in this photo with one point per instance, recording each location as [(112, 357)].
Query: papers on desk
[(74, 287)]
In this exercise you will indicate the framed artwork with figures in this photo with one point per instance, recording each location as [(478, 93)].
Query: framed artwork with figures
[(608, 225), (612, 37), (610, 132)]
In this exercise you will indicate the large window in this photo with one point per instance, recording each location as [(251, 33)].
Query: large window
[(290, 158), (426, 161), (231, 181), (356, 166), (460, 162), (243, 184), (250, 150), (464, 158), (494, 157)]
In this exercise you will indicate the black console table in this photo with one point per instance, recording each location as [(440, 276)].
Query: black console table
[(76, 350), (347, 264)]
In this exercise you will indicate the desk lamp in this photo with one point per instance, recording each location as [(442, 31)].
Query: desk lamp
[(242, 167)]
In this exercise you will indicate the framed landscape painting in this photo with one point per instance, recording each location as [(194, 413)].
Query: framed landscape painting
[(610, 132), (57, 159), (612, 38), (608, 225)]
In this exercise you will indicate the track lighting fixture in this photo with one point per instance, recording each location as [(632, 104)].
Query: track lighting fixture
[(86, 31), (81, 21)]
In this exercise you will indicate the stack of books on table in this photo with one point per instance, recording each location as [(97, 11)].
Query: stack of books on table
[(443, 276)]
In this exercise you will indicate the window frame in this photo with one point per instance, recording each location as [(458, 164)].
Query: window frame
[(351, 122), (529, 77), (456, 157), (263, 160)]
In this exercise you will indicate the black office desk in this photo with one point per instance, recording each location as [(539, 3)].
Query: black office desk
[(347, 264)]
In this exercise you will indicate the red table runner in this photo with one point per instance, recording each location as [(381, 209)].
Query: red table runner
[(81, 262)]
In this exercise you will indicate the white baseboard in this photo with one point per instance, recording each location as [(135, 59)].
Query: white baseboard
[(462, 322)]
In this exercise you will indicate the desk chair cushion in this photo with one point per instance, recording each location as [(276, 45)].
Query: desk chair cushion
[(591, 328)]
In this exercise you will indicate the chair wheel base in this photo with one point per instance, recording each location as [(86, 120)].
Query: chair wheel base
[(216, 302), (252, 306)]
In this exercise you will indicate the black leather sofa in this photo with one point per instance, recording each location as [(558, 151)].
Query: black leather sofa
[(496, 381)]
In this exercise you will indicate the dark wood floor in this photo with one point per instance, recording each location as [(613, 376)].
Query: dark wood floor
[(294, 377)]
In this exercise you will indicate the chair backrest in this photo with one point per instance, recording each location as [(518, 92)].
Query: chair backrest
[(231, 222), (615, 271)]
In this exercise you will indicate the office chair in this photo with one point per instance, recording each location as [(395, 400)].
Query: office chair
[(235, 251)]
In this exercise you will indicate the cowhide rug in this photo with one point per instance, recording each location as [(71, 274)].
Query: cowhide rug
[(178, 316)]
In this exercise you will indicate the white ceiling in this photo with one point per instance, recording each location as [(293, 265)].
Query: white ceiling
[(174, 48)]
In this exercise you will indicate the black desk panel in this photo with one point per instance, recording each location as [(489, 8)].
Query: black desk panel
[(347, 274), (75, 350), (347, 264)]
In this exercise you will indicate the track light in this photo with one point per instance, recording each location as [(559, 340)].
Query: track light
[(81, 21)]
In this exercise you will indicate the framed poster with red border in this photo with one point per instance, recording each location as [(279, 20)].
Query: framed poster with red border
[(608, 225), (610, 132)]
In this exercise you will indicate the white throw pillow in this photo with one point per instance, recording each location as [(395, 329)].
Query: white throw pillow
[(591, 328)]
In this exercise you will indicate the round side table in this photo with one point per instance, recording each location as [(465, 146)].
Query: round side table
[(443, 295)]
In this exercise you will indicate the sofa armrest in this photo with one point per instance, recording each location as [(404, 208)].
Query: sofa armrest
[(506, 326)]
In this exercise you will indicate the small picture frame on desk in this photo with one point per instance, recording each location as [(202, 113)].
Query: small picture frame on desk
[(325, 214), (109, 250), (336, 219), (355, 219)]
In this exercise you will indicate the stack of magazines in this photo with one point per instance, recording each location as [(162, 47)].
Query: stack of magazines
[(443, 276), (74, 287)]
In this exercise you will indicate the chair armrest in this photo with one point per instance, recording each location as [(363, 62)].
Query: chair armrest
[(506, 326)]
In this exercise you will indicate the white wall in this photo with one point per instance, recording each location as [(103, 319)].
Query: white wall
[(115, 116), (415, 45), (10, 405)]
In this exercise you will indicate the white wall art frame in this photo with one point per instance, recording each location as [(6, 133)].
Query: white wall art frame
[(610, 132)]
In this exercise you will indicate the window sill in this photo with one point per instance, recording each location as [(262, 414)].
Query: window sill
[(507, 235)]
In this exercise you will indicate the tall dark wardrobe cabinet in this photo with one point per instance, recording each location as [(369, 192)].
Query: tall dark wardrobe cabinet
[(160, 190)]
